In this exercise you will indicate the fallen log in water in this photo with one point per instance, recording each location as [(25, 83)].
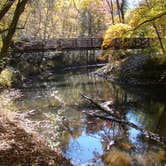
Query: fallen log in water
[(99, 106), (114, 116)]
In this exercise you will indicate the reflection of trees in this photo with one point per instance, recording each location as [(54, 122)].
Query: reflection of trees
[(94, 125), (81, 57), (39, 99), (161, 121), (115, 135), (144, 110), (74, 131), (109, 132)]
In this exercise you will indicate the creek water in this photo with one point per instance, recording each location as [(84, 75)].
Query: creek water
[(59, 115)]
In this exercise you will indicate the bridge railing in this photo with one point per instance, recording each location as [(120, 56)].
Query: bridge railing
[(79, 44), (129, 43)]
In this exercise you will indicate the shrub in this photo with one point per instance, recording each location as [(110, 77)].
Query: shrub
[(116, 31)]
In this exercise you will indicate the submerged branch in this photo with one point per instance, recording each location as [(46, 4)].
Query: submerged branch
[(99, 106), (118, 119)]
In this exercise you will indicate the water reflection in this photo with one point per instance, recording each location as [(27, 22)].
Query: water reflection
[(83, 139)]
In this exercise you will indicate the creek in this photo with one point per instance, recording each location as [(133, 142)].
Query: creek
[(56, 110)]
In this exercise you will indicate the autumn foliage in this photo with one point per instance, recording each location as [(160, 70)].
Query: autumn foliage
[(115, 31)]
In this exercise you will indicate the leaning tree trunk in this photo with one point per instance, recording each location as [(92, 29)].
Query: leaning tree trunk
[(12, 28), (5, 8), (159, 37)]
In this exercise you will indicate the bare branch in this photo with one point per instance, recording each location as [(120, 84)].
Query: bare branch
[(150, 20), (12, 27), (4, 30)]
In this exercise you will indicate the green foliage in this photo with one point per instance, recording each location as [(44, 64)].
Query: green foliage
[(9, 77), (6, 77), (148, 10)]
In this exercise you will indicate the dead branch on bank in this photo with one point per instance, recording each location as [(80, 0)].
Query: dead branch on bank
[(114, 116)]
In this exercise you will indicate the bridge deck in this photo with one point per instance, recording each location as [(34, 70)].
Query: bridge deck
[(79, 44)]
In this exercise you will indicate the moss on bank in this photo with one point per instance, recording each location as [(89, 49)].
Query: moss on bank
[(10, 77)]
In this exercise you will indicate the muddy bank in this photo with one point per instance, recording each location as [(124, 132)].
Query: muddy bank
[(17, 147), (135, 70)]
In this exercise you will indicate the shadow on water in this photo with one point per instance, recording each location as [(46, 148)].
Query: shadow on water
[(63, 124)]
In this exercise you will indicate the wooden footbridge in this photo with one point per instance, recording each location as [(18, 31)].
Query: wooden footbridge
[(79, 44)]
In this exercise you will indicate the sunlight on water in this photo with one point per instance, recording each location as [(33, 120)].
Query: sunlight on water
[(56, 113)]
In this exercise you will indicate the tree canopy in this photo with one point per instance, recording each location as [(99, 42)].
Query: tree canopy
[(42, 20)]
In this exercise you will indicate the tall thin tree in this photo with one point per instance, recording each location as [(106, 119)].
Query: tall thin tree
[(110, 5), (12, 27), (122, 6), (118, 10)]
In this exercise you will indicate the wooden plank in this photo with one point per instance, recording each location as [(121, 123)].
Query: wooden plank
[(83, 43), (51, 44)]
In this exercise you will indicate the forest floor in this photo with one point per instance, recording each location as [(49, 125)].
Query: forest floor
[(18, 147)]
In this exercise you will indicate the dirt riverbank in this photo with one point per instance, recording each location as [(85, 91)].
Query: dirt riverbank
[(20, 148)]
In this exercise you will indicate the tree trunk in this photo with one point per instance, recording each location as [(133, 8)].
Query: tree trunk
[(118, 9), (6, 7), (112, 12), (12, 28), (110, 4), (159, 37), (122, 10)]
